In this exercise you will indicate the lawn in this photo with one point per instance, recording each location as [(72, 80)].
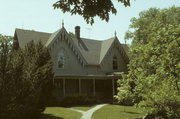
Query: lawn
[(106, 112), (60, 113), (118, 112)]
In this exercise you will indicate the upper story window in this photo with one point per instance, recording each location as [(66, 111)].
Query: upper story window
[(61, 59), (115, 63)]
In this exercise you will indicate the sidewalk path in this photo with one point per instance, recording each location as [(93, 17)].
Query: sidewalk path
[(77, 110), (88, 114)]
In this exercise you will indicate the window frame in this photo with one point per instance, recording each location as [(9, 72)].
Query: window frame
[(61, 56), (115, 63)]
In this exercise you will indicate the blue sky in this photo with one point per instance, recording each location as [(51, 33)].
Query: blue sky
[(39, 15)]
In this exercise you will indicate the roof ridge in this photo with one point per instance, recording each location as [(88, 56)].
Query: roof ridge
[(85, 38), (25, 36), (31, 30), (110, 38), (91, 39)]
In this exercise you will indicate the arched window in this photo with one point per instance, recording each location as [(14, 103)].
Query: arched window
[(115, 63), (61, 59)]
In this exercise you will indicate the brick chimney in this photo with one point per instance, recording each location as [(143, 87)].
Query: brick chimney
[(77, 32)]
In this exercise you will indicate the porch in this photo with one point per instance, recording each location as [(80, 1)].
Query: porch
[(102, 87)]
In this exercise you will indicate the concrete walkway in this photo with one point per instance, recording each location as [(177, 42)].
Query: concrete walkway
[(77, 110), (88, 114)]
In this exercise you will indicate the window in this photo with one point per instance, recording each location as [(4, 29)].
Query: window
[(115, 63), (61, 59)]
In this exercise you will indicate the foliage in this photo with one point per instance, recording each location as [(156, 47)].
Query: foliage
[(89, 9), (125, 95), (24, 79), (78, 100), (153, 79), (163, 101), (5, 91)]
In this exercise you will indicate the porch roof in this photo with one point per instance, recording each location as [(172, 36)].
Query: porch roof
[(88, 77)]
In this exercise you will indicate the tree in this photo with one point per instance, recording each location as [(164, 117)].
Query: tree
[(153, 78), (89, 9), (5, 91), (25, 78), (38, 69)]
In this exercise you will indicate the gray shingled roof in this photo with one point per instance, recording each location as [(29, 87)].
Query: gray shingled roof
[(89, 48), (93, 51), (53, 36), (25, 36), (125, 47), (106, 44)]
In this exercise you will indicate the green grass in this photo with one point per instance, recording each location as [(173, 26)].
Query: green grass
[(118, 112), (84, 108), (106, 112), (60, 113)]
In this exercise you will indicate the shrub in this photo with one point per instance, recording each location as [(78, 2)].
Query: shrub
[(25, 76), (164, 101), (78, 100)]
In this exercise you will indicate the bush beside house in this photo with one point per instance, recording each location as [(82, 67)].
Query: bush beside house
[(24, 79)]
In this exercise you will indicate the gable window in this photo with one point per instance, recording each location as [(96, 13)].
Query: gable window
[(115, 63), (61, 59)]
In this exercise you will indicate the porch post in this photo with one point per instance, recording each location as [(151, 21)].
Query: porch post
[(53, 80), (64, 87), (113, 87), (79, 86), (94, 87)]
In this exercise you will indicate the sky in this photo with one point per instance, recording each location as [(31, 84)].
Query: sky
[(39, 15)]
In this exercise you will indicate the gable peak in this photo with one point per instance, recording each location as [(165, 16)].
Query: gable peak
[(62, 23), (115, 34)]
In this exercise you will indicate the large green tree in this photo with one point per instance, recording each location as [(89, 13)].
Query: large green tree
[(154, 70), (25, 78), (89, 9), (5, 91)]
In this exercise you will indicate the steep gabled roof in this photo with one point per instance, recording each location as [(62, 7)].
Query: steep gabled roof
[(106, 44), (92, 51), (25, 36), (54, 35), (51, 38), (125, 47)]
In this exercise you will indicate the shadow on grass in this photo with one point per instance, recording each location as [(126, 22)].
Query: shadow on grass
[(49, 116), (82, 105), (131, 112)]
